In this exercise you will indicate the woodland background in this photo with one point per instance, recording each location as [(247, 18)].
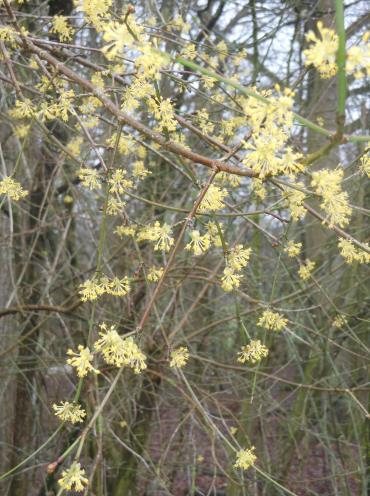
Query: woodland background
[(304, 407)]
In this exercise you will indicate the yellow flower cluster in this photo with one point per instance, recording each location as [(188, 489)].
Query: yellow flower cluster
[(91, 289), (202, 118), (7, 34), (117, 35), (358, 58), (115, 205), (81, 361), (119, 351), (12, 189), (125, 231), (179, 357), (69, 412), (215, 232), (22, 109), (60, 108), (253, 352), (139, 171), (213, 199), (149, 64), (199, 244), (237, 259), (95, 11), (61, 28), (245, 458), (365, 164), (155, 274), (322, 51), (89, 178), (74, 146), (164, 113), (270, 123), (351, 253), (272, 321), (295, 199), (230, 279), (118, 182), (293, 249), (73, 478), (327, 183), (306, 269), (160, 235), (22, 130), (339, 321), (189, 51)]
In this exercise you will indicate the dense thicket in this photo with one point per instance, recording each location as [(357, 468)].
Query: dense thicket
[(184, 247)]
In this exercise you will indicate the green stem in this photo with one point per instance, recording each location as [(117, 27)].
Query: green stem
[(341, 62), (245, 91)]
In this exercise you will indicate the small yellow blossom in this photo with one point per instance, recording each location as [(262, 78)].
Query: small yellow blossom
[(139, 171), (179, 357), (164, 113), (245, 458), (119, 351), (95, 11), (133, 356), (233, 430), (118, 182), (230, 279), (327, 183), (215, 231), (293, 249), (69, 412), (322, 51), (22, 109), (81, 361), (110, 344), (160, 235), (22, 130), (74, 476), (272, 321), (203, 121), (149, 64), (199, 244), (119, 287), (306, 269), (117, 37), (7, 34), (90, 290), (115, 206), (295, 200), (189, 51), (213, 199), (351, 253), (365, 164), (253, 352), (238, 257), (258, 188), (358, 58), (12, 189), (339, 321), (74, 146), (89, 178), (154, 274), (125, 231), (61, 28)]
